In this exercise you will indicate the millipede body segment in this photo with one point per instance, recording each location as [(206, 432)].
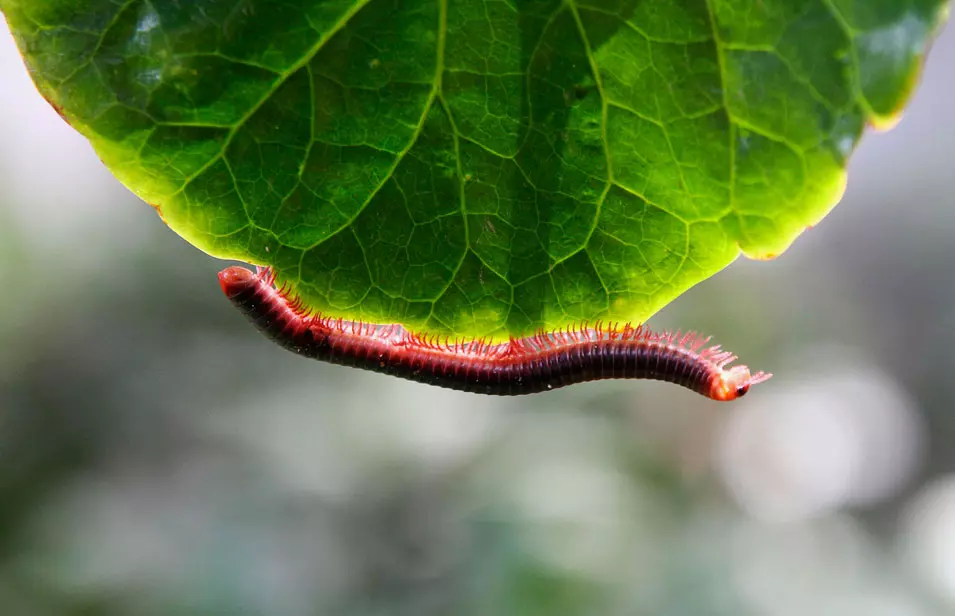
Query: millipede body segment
[(529, 365)]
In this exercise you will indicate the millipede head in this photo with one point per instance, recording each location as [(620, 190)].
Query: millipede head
[(235, 280), (733, 383)]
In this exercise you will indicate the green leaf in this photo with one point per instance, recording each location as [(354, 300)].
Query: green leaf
[(480, 167)]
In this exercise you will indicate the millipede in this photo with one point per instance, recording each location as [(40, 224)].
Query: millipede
[(534, 364)]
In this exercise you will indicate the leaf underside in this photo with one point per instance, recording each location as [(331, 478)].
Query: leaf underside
[(478, 167)]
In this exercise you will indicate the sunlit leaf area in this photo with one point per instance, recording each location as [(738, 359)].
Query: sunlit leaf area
[(480, 168), (158, 456)]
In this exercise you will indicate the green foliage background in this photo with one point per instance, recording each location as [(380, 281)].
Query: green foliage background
[(480, 167)]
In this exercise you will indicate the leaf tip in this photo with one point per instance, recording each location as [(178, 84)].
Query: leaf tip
[(885, 123)]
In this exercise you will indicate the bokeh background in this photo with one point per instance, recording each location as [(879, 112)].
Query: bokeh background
[(159, 457)]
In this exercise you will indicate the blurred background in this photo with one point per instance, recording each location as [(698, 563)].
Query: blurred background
[(159, 457)]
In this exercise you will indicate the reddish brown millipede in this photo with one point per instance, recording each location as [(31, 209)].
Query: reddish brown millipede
[(529, 365)]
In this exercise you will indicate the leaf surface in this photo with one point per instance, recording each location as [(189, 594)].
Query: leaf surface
[(480, 167)]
